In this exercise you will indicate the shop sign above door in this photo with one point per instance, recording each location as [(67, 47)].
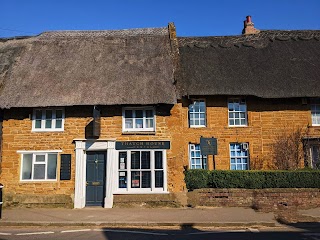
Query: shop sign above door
[(124, 145), (208, 146)]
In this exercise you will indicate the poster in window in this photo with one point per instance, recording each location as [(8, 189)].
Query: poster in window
[(135, 183)]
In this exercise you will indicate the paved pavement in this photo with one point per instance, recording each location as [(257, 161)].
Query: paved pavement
[(314, 212), (216, 217)]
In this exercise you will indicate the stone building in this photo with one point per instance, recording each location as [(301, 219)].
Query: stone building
[(115, 117)]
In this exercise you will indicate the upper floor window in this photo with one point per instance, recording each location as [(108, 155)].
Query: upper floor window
[(196, 160), (315, 114), (197, 114), (138, 119), (48, 119), (39, 166), (237, 109), (239, 156)]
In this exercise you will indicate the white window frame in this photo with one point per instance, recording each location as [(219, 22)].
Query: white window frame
[(240, 157), (315, 114), (193, 160), (34, 154), (153, 189), (234, 112), (43, 120), (194, 101), (135, 129)]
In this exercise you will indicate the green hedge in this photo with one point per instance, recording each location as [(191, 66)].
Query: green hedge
[(199, 178)]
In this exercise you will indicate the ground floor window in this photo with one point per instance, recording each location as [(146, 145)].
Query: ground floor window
[(315, 156), (39, 166), (239, 156), (196, 160), (142, 170)]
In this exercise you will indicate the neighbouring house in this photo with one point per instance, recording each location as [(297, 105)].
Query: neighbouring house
[(115, 117), (246, 91)]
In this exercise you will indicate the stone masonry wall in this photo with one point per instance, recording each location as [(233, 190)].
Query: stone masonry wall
[(266, 119), (259, 199)]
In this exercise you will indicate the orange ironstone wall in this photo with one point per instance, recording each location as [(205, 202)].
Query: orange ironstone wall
[(266, 119)]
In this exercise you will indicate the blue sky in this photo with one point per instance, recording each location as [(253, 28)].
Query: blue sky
[(192, 18)]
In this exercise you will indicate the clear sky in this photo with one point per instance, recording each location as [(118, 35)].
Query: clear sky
[(191, 17)]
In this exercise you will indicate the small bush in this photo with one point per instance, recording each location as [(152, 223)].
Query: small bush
[(196, 179)]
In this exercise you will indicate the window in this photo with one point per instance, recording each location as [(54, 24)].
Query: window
[(197, 114), (39, 166), (142, 171), (137, 120), (197, 161), (239, 157), (315, 156), (237, 109), (315, 114), (48, 120)]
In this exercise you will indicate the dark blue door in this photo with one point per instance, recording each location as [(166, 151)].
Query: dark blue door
[(96, 175)]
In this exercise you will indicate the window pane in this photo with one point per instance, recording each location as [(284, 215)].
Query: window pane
[(146, 179), (202, 106), (40, 158), (48, 123), (237, 122), (59, 123), (139, 114), (145, 160), (38, 114), (139, 123), (231, 122), (122, 179), (135, 179), (52, 166), (149, 123), (39, 171), (202, 122), (27, 166), (149, 113), (135, 160), (129, 123), (123, 160), (158, 160), (48, 114), (38, 124), (58, 113), (159, 179), (128, 114)]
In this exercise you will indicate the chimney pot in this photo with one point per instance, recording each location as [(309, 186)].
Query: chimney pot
[(249, 27)]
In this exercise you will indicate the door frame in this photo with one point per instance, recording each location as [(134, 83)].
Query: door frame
[(81, 147)]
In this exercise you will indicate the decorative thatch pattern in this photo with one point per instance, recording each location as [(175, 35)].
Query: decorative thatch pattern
[(271, 64), (87, 68)]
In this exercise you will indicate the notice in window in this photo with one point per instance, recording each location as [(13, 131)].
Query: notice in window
[(135, 183)]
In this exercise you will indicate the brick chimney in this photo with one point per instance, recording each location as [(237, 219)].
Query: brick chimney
[(249, 27)]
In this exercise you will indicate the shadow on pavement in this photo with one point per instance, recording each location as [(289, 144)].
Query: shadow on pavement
[(188, 232)]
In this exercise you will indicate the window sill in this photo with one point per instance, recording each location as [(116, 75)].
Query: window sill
[(139, 133), (47, 130), (235, 126), (38, 181), (140, 192), (194, 126)]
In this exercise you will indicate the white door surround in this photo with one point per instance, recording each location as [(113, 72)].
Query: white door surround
[(82, 146)]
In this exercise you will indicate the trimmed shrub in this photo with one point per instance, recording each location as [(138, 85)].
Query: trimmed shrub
[(199, 178)]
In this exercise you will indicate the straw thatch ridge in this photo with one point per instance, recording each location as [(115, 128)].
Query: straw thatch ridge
[(270, 64), (87, 68)]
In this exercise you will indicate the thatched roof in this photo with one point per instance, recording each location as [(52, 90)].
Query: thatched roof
[(271, 64), (87, 68)]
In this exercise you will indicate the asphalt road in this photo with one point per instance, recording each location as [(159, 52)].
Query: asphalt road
[(83, 233)]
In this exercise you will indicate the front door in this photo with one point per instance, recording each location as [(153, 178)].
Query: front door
[(95, 181)]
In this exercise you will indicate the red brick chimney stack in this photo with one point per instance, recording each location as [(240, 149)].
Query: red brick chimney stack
[(249, 27)]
